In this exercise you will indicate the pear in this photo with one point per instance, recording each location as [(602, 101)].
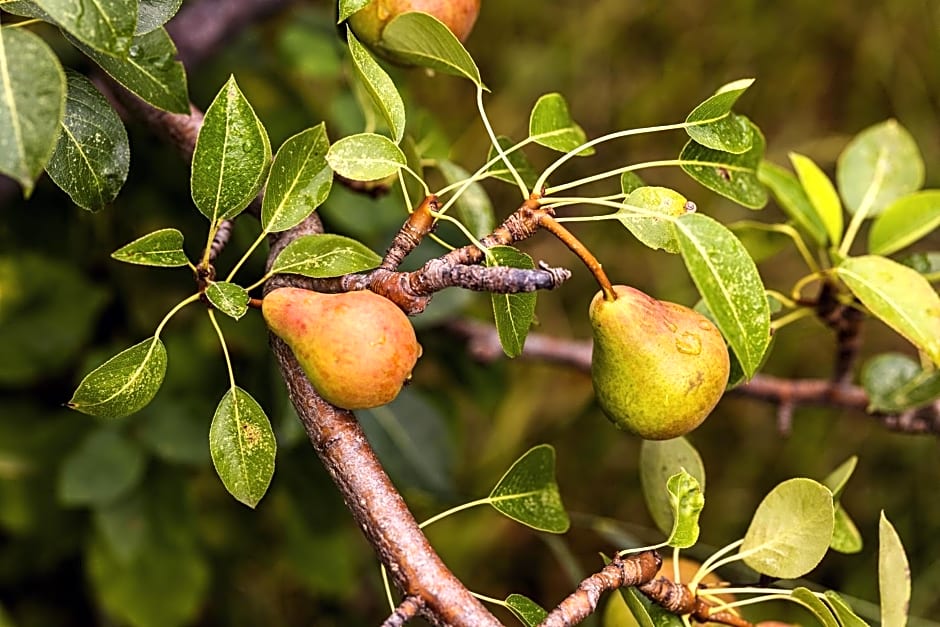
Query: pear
[(658, 368), (357, 348), (369, 22)]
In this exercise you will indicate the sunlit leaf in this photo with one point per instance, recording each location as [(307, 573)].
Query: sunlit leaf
[(152, 14), (324, 255), (881, 164), (300, 180), (159, 248), (105, 25), (640, 211), (32, 102), (687, 500), (551, 125), (815, 605), (421, 39), (517, 159), (895, 382), (897, 295), (526, 610), (348, 7), (123, 384), (630, 181), (837, 479), (92, 155), (733, 176), (365, 157), (474, 208), (793, 200), (847, 618), (846, 537), (660, 460), (821, 194), (730, 285), (103, 467), (894, 575), (528, 493), (381, 88), (791, 529), (716, 126), (232, 156), (243, 446), (513, 313), (229, 298), (904, 221)]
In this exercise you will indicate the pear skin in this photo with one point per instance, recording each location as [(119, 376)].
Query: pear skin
[(658, 368), (369, 22), (357, 348)]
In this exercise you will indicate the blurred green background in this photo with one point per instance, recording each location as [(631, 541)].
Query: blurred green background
[(126, 523)]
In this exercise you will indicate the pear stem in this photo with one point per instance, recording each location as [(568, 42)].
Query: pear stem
[(574, 244)]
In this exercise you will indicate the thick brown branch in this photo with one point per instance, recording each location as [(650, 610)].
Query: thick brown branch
[(418, 224)]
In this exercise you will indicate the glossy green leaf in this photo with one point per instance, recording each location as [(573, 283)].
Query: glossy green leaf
[(821, 194), (380, 87), (881, 164), (25, 8), (730, 285), (325, 255), (104, 466), (300, 180), (149, 70), (791, 529), (846, 537), (229, 298), (365, 157), (152, 14), (837, 479), (895, 382), (815, 605), (348, 7), (123, 384), (32, 102), (517, 159), (474, 208), (927, 264), (160, 248), (733, 176), (716, 126), (847, 618), (897, 295), (894, 575), (647, 613), (687, 500), (92, 154), (525, 609), (420, 39), (629, 182), (904, 221), (616, 612), (513, 313), (551, 125), (640, 211), (660, 460), (793, 200), (232, 156), (243, 447), (105, 25), (528, 493)]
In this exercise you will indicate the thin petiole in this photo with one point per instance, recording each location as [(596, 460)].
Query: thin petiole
[(791, 317), (247, 254), (706, 566), (453, 510), (228, 360), (173, 312), (499, 149)]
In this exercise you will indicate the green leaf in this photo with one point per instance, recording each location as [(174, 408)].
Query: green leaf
[(92, 155), (629, 182), (821, 194), (421, 39), (324, 255), (525, 609), (793, 200), (474, 208), (647, 613), (348, 7), (881, 164), (242, 446), (733, 176), (655, 232), (517, 159), (660, 460), (717, 127), (847, 618), (815, 605), (845, 535), (528, 494), (687, 500), (898, 296), (229, 298), (123, 524), (365, 157), (616, 613), (895, 382), (927, 264), (231, 158), (25, 8), (300, 180), (152, 14), (904, 221), (123, 384), (513, 313), (149, 70), (791, 529), (837, 479), (551, 125), (105, 466), (105, 25), (894, 575), (381, 88), (729, 284), (160, 248), (32, 102)]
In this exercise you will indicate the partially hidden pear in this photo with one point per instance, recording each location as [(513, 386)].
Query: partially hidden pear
[(658, 368), (357, 348)]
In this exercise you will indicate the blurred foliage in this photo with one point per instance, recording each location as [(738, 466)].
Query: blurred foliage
[(152, 538)]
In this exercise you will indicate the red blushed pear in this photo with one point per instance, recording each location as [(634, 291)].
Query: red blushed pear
[(369, 22), (658, 368), (357, 348)]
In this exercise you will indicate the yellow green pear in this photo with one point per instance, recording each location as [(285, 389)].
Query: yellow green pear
[(357, 348), (658, 368)]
